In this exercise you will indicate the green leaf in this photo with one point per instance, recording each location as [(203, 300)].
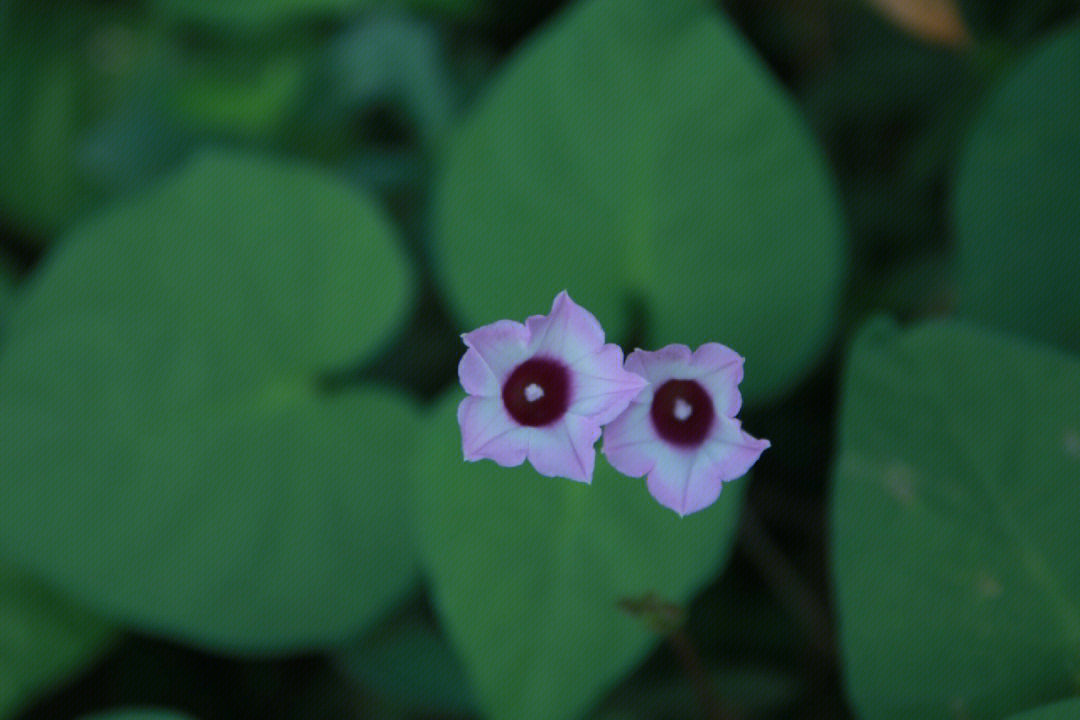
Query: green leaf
[(956, 491), (527, 572), (260, 15), (7, 291), (641, 149), (62, 69), (1065, 710), (1017, 201), (411, 664), (167, 456), (43, 639), (137, 714)]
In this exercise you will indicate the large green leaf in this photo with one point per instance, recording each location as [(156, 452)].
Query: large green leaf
[(527, 572), (1065, 710), (43, 639), (166, 455), (957, 489), (1017, 201), (640, 149)]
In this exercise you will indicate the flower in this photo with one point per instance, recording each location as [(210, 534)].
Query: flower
[(681, 430), (542, 390)]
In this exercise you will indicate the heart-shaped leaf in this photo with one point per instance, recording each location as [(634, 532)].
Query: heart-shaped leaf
[(641, 149), (1017, 201), (166, 455), (529, 572), (956, 497)]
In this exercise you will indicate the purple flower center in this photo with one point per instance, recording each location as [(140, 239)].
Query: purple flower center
[(682, 412), (537, 392)]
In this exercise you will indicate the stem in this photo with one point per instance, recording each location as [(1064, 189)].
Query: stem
[(790, 589), (706, 693)]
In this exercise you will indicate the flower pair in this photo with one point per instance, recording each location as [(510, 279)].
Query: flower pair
[(542, 391)]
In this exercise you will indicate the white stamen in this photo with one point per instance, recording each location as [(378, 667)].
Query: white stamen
[(683, 409), (533, 392)]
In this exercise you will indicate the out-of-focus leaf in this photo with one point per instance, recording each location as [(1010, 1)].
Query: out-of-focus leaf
[(1065, 710), (528, 572), (251, 101), (640, 149), (1017, 201), (955, 485), (938, 21), (43, 639), (166, 456), (262, 15), (137, 714), (7, 291), (63, 68), (409, 663)]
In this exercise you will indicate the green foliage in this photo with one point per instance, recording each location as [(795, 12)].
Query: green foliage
[(167, 456), (259, 15), (48, 93), (137, 714), (7, 291), (43, 639), (528, 572), (1017, 201), (409, 663), (640, 149), (1065, 710), (955, 485)]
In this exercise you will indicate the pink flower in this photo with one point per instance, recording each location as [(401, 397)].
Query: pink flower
[(681, 430), (542, 390)]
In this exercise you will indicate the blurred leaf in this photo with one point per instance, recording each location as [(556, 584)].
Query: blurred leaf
[(7, 291), (237, 92), (126, 151), (1065, 710), (1017, 201), (43, 639), (62, 68), (409, 663), (137, 714), (956, 490), (166, 455), (387, 58), (640, 148), (261, 15), (528, 572), (938, 21)]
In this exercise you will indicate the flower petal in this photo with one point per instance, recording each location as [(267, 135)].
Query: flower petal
[(602, 388), (565, 449), (629, 441), (569, 333), (475, 375), (732, 450), (488, 432), (670, 476), (670, 361), (720, 370), (502, 345)]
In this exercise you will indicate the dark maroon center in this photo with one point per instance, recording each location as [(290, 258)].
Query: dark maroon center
[(537, 392), (682, 412)]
